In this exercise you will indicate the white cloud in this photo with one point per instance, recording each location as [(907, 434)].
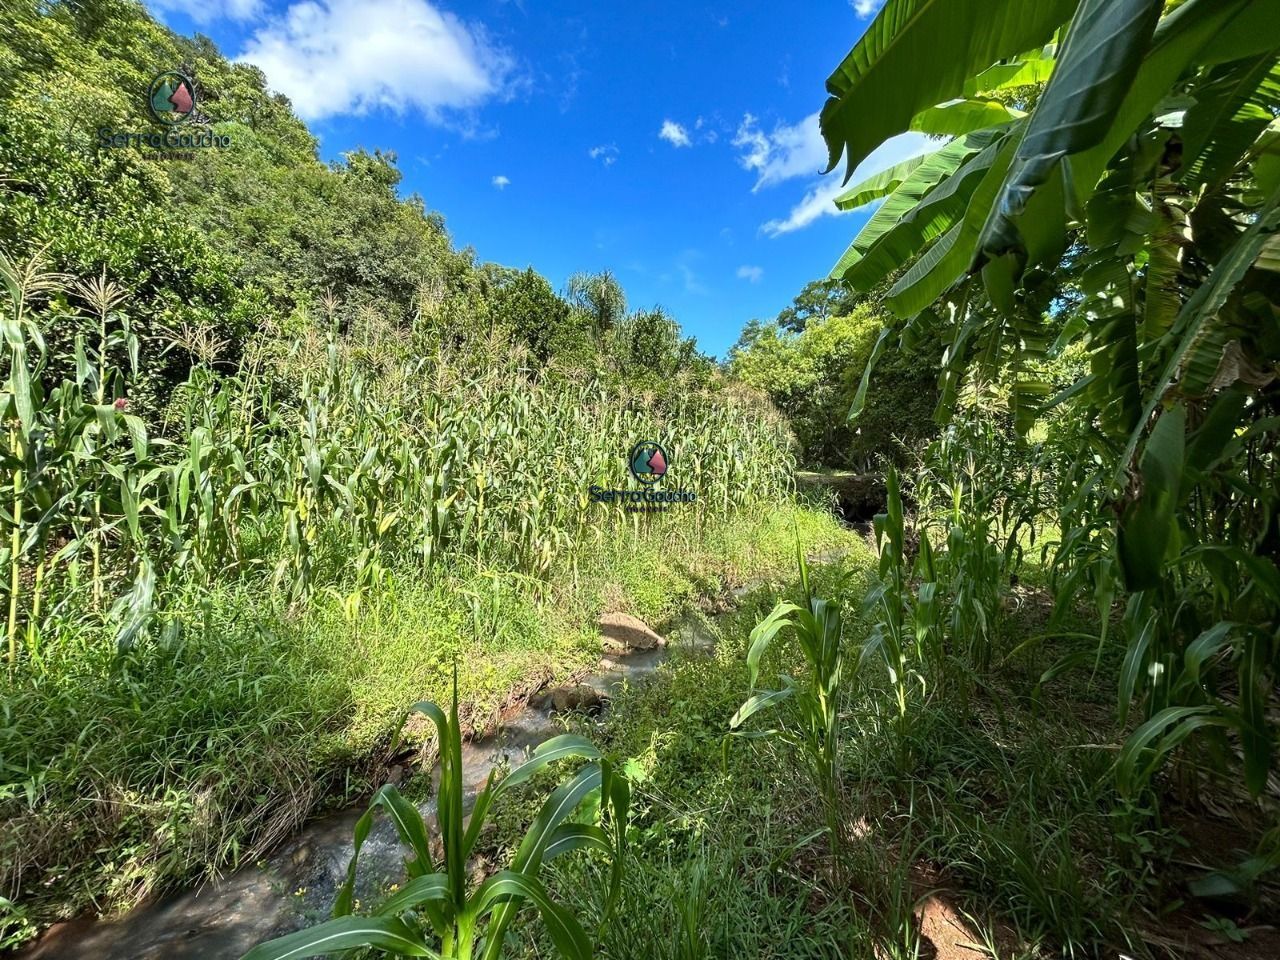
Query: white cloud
[(866, 8), (789, 151), (750, 274), (606, 153), (818, 201), (692, 282), (211, 10), (685, 270), (674, 134), (350, 56), (501, 182)]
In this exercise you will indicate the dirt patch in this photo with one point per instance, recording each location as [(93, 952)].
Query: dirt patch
[(945, 932), (1182, 936)]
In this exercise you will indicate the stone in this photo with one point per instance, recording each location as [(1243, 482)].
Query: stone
[(575, 697), (622, 632)]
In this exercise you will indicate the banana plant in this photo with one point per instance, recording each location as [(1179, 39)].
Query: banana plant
[(1113, 187), (438, 913)]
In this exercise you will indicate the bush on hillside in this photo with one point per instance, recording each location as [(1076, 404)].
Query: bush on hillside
[(812, 377)]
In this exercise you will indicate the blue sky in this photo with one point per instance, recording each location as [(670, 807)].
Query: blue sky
[(675, 144)]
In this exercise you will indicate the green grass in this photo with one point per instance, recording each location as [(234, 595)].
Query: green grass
[(1006, 806), (123, 777)]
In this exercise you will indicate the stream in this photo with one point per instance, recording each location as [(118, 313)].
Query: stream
[(297, 883)]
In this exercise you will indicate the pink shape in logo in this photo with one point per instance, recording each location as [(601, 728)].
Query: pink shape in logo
[(181, 99)]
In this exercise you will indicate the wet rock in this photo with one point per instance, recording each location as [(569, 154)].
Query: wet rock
[(575, 697), (567, 697), (622, 632)]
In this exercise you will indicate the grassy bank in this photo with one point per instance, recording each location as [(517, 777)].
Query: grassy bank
[(127, 774), (997, 832)]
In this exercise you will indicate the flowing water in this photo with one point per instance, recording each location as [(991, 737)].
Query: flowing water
[(298, 882)]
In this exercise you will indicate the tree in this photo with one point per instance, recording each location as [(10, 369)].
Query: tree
[(818, 300), (651, 352), (599, 297), (525, 305), (812, 377)]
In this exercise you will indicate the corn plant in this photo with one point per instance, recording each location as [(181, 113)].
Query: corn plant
[(818, 629), (438, 913), (898, 612), (978, 495), (323, 462)]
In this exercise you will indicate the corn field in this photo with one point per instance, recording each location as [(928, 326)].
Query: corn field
[(318, 464)]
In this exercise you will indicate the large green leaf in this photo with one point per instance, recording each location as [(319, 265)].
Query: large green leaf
[(880, 185), (1162, 297), (563, 747), (1149, 525), (1143, 752), (575, 836), (1099, 58), (936, 169), (1133, 666), (508, 886), (860, 397), (1029, 71), (1106, 312), (928, 219), (416, 893), (1256, 689), (919, 53), (1250, 30), (930, 276), (1200, 313), (1233, 106), (959, 117), (345, 933), (952, 255), (758, 702), (1186, 36), (764, 632), (409, 825), (533, 848)]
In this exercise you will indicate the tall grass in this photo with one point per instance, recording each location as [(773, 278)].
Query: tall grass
[(321, 463)]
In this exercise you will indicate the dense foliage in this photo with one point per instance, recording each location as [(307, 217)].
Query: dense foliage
[(811, 375), (278, 461), (1125, 211), (219, 243)]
